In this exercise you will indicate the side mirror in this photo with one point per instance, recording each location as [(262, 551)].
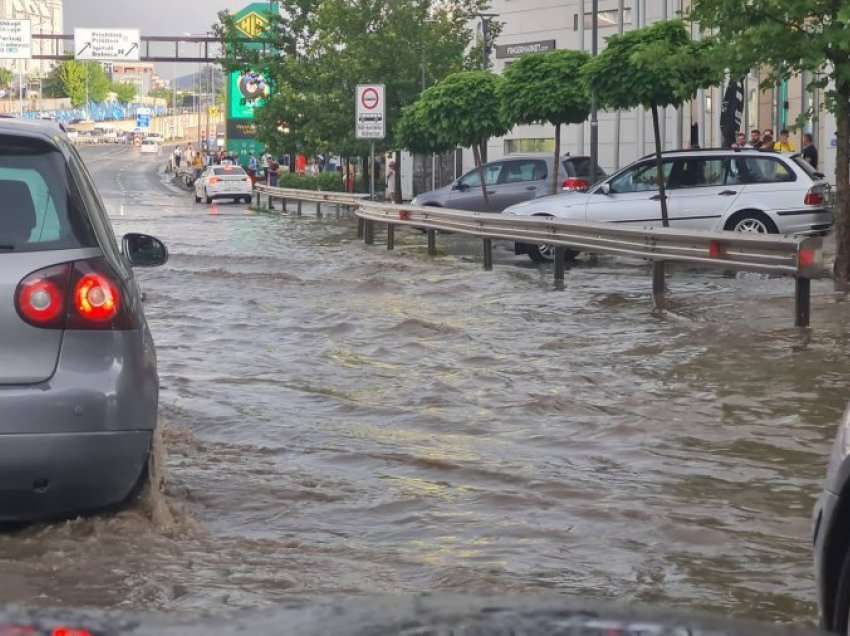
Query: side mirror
[(144, 251), (459, 186), (605, 189)]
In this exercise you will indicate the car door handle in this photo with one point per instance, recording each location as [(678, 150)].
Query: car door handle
[(727, 193), (531, 188), (491, 192)]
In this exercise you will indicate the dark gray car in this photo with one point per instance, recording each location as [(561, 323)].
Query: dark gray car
[(511, 180), (78, 380)]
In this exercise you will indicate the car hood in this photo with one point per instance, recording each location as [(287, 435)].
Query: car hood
[(440, 194), (565, 204)]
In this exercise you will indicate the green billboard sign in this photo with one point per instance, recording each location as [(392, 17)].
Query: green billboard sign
[(248, 90)]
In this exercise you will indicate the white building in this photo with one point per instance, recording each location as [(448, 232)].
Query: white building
[(45, 16), (540, 25)]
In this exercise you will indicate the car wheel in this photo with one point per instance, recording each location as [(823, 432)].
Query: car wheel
[(752, 223), (208, 197), (247, 200), (545, 253)]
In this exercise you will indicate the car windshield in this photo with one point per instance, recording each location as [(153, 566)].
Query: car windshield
[(39, 211), (222, 172)]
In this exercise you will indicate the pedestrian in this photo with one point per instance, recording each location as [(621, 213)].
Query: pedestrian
[(755, 139), (390, 191), (274, 170), (810, 151), (767, 141), (740, 141), (252, 168), (178, 155), (198, 165), (784, 144)]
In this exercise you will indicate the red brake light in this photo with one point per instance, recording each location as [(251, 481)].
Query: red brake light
[(575, 185), (79, 295), (40, 297), (96, 298), (64, 631), (813, 198)]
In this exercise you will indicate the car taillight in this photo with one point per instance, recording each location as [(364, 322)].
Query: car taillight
[(814, 198), (575, 185), (40, 297), (80, 295), (214, 180)]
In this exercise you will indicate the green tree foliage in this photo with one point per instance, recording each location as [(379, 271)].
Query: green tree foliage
[(461, 110), (546, 87), (787, 37), (81, 79), (653, 67), (53, 87), (6, 77), (317, 51), (125, 92)]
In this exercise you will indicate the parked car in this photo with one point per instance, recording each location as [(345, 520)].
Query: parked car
[(739, 190), (156, 138), (832, 536), (149, 147), (223, 182), (78, 378), (510, 180)]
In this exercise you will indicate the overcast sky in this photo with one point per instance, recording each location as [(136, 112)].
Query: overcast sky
[(152, 17)]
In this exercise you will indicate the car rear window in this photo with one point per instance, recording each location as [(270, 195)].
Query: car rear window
[(39, 209), (807, 167), (222, 172)]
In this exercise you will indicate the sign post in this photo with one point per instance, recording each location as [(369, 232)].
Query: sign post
[(107, 45), (371, 117), (16, 44)]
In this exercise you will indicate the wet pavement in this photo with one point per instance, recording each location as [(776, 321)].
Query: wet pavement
[(342, 420)]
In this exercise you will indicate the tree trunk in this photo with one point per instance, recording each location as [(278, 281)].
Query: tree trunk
[(366, 172), (397, 178), (842, 183), (556, 176), (476, 152), (662, 190)]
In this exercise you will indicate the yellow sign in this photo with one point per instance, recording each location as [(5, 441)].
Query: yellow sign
[(213, 111), (253, 25)]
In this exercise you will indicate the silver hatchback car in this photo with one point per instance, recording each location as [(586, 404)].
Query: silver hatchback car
[(78, 380)]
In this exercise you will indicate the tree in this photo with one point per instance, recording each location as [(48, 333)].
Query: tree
[(546, 87), (461, 110), (99, 84), (787, 37), (125, 92), (80, 80), (53, 86), (653, 67), (6, 77)]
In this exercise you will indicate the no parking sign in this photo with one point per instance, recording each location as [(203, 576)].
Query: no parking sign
[(371, 111)]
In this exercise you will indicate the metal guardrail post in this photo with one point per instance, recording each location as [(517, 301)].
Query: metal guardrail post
[(298, 209), (432, 242), (338, 210), (487, 246), (361, 224), (658, 284), (802, 302), (560, 266), (283, 205), (369, 233), (258, 199), (390, 235), (318, 209), (271, 202)]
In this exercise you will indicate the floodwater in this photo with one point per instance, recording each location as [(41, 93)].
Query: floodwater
[(337, 420)]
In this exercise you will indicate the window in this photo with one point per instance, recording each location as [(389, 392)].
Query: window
[(491, 176), (579, 167), (528, 170), (39, 211), (694, 173), (605, 19), (514, 146), (641, 178), (221, 172), (764, 170)]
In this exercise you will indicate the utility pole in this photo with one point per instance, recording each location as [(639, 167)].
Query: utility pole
[(594, 115), (621, 18), (582, 49)]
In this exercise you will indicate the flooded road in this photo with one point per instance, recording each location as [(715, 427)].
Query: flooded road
[(343, 420)]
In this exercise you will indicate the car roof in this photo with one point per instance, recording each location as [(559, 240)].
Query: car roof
[(539, 155), (712, 152), (43, 129)]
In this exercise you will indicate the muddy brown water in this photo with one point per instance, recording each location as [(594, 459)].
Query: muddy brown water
[(339, 420)]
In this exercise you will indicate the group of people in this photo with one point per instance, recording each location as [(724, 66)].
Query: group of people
[(198, 160), (764, 140)]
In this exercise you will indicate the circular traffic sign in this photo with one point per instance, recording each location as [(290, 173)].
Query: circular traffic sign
[(369, 98)]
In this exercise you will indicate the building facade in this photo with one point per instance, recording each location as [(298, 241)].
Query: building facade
[(45, 16), (139, 74), (540, 25)]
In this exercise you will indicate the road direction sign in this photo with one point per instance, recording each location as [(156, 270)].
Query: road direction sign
[(143, 118), (116, 45), (371, 112), (15, 40)]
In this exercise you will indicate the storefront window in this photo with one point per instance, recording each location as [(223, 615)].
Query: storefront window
[(513, 146)]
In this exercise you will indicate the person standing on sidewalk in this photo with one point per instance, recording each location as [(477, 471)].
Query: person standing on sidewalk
[(810, 151), (390, 190), (784, 144)]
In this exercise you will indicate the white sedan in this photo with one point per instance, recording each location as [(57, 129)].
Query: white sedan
[(223, 182), (149, 147)]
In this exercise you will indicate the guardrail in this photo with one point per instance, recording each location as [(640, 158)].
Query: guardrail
[(337, 199), (798, 257)]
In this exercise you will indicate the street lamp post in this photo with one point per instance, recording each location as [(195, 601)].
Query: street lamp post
[(594, 115)]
